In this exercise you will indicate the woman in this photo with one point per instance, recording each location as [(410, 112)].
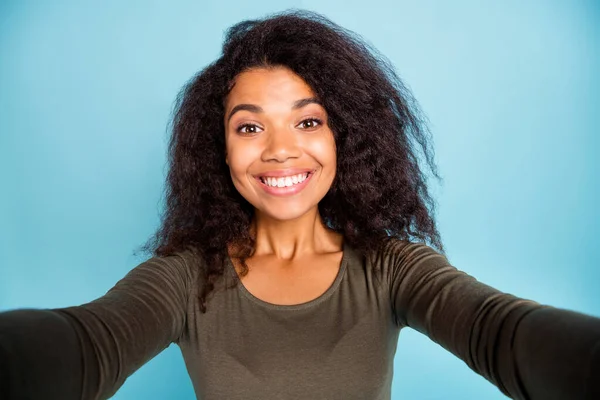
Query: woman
[(292, 250)]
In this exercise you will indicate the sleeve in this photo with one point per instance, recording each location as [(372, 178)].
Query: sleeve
[(88, 351), (528, 350)]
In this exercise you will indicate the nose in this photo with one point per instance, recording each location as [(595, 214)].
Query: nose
[(281, 145)]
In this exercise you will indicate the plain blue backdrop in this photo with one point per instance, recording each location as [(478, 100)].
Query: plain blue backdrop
[(511, 89)]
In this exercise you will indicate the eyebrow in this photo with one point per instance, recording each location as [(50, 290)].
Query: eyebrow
[(256, 109)]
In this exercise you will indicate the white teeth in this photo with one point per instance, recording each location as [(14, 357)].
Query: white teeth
[(284, 181)]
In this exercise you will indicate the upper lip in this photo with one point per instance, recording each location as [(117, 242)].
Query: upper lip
[(284, 172)]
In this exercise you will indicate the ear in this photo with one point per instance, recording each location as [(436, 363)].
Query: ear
[(226, 158)]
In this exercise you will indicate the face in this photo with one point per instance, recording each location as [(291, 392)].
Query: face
[(279, 148)]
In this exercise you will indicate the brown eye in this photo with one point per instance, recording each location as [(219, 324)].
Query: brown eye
[(309, 123), (249, 129)]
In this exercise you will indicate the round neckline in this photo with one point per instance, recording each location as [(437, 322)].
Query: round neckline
[(324, 296)]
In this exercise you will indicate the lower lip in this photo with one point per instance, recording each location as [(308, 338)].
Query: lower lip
[(286, 190)]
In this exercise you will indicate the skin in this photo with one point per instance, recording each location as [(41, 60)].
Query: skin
[(273, 122)]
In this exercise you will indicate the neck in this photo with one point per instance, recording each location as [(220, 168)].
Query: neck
[(292, 239)]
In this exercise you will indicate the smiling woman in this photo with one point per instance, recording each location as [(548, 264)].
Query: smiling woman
[(298, 241), (279, 147), (282, 157)]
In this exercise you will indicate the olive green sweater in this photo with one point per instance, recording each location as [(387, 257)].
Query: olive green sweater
[(340, 345)]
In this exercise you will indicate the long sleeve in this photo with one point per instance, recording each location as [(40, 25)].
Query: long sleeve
[(528, 350), (87, 351)]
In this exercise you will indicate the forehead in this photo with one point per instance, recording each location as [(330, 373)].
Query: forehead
[(268, 85)]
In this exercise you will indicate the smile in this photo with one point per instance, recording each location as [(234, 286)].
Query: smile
[(284, 185), (284, 181)]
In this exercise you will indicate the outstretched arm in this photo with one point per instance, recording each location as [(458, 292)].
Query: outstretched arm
[(87, 352), (529, 351)]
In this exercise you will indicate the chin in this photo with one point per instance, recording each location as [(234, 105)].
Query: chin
[(286, 213)]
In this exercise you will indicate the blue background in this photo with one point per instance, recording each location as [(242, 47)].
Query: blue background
[(511, 89)]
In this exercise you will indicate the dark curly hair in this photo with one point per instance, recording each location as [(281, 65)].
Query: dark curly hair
[(379, 191)]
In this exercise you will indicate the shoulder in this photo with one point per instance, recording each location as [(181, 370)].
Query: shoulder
[(181, 269), (396, 250), (399, 259)]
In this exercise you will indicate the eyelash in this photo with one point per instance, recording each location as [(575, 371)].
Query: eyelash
[(248, 125)]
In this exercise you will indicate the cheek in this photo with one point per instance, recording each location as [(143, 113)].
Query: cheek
[(239, 157), (324, 152), (236, 164)]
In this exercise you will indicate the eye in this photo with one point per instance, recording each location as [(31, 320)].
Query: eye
[(309, 123), (248, 129)]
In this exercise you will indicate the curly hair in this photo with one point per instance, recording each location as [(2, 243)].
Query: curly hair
[(379, 191)]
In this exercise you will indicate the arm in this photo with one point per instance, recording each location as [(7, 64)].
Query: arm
[(87, 352), (529, 351)]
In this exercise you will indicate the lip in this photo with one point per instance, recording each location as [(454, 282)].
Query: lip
[(284, 172), (286, 190)]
